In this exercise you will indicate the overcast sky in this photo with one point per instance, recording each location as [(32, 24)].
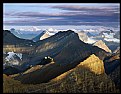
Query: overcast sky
[(61, 14)]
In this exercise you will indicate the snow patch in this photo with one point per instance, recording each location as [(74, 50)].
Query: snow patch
[(112, 39), (90, 41), (11, 54), (111, 35)]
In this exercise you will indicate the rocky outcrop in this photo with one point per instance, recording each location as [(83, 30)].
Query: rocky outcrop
[(41, 36), (102, 45), (82, 36)]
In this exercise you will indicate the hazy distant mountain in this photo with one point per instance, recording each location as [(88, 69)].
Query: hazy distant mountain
[(102, 45), (106, 35), (41, 36), (117, 35), (32, 32), (24, 34), (92, 34), (45, 34), (82, 36), (112, 45), (107, 32), (109, 36)]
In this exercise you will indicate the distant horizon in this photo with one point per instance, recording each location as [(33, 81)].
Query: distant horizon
[(83, 27)]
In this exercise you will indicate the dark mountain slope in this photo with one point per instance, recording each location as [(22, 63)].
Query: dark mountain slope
[(115, 76), (112, 67), (64, 47), (10, 70), (15, 44), (112, 62), (86, 77), (11, 39), (52, 70)]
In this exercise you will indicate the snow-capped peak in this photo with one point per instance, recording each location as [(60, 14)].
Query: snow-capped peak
[(50, 29), (46, 32), (34, 28), (11, 54)]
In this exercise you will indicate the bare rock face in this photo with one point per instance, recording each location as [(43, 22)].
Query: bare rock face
[(102, 45), (46, 35), (41, 36), (82, 36)]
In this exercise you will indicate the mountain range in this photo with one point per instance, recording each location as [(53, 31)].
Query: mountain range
[(87, 76), (62, 57)]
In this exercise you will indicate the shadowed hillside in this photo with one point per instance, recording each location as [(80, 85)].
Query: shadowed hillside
[(11, 39), (84, 78), (74, 66), (112, 67), (60, 47)]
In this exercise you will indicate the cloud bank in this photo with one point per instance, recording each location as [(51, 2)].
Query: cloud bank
[(72, 15)]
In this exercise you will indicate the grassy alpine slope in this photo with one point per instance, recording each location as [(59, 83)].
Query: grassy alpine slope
[(84, 78)]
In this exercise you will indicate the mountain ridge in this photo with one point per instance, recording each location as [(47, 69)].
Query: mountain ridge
[(102, 45)]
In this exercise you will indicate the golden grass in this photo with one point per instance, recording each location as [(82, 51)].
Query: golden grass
[(84, 78)]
